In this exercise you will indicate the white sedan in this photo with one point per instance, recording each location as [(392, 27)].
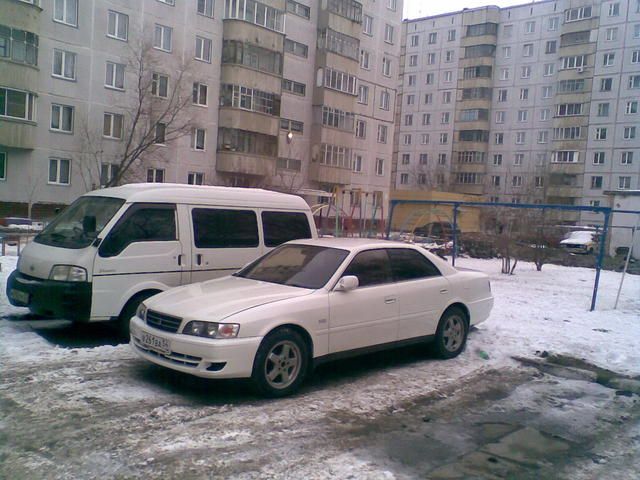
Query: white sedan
[(307, 302)]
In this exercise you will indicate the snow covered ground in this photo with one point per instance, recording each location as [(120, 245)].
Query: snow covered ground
[(97, 411)]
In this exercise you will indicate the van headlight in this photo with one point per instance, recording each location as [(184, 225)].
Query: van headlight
[(211, 329), (68, 273)]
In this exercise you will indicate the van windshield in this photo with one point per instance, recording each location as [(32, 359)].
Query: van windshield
[(80, 223)]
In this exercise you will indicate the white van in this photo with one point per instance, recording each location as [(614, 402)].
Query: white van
[(113, 248)]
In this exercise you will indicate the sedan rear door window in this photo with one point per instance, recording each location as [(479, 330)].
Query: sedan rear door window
[(408, 264)]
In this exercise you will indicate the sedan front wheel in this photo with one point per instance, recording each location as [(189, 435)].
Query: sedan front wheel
[(451, 335), (280, 364)]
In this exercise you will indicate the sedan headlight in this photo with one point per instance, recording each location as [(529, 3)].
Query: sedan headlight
[(211, 329), (68, 273), (141, 312)]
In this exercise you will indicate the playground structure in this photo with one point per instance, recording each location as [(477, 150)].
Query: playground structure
[(347, 212)]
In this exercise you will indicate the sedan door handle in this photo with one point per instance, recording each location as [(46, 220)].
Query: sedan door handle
[(444, 290), (390, 300)]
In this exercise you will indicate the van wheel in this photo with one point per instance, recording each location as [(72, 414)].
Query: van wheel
[(451, 335), (129, 310), (281, 363)]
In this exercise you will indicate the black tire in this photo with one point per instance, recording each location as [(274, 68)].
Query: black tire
[(451, 335), (281, 363), (129, 310)]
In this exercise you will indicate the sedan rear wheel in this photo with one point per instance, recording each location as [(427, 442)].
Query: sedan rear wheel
[(280, 364), (451, 335)]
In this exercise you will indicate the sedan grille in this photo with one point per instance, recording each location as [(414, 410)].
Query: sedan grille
[(164, 322)]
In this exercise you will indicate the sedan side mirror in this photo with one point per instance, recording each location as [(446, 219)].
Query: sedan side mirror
[(347, 283)]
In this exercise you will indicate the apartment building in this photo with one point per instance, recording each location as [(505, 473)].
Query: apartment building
[(279, 94), (534, 103)]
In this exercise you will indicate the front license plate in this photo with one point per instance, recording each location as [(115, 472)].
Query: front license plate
[(19, 296), (157, 344)]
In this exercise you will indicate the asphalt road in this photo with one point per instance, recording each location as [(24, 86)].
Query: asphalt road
[(91, 409)]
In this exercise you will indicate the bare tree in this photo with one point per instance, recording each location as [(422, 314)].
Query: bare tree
[(153, 113)]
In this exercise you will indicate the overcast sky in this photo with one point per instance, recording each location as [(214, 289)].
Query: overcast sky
[(425, 8)]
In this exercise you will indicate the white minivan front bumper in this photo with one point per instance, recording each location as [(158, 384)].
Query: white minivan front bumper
[(202, 357)]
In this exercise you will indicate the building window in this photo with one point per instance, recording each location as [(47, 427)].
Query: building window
[(424, 158), (431, 58), (547, 92), (118, 25), (62, 118), (363, 94), (296, 88), (64, 64), (203, 49), (382, 134), (451, 35), (404, 178), (611, 34), (357, 163), (198, 137), (624, 183), (386, 66), (256, 13), (606, 84), (412, 83), (631, 107), (379, 166), (525, 72), (527, 50), (499, 138), (524, 94), (551, 47), (195, 178), (297, 9), (429, 79), (545, 114), (549, 69), (3, 165), (520, 137), (428, 98), (608, 59), (603, 109), (516, 181), (407, 139), (364, 60), (565, 156), (596, 182), (406, 159), (442, 159), (112, 125), (575, 14), (601, 134), (59, 171), (114, 76), (502, 95), (426, 119), (530, 27), (634, 81), (433, 38), (506, 52), (539, 182), (66, 11), (160, 85), (500, 116), (155, 175), (553, 24), (340, 81), (413, 60), (614, 9), (367, 25), (408, 120), (384, 100), (162, 38), (17, 104), (168, 2), (448, 76), (629, 133), (205, 7), (291, 125), (108, 173), (415, 40), (160, 134), (627, 158), (497, 159), (568, 109), (444, 138), (495, 180), (543, 136), (361, 129), (598, 158), (575, 61), (19, 45), (336, 118), (446, 97), (388, 33), (635, 56)]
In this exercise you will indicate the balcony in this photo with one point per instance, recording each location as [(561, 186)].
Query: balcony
[(228, 161), (329, 174)]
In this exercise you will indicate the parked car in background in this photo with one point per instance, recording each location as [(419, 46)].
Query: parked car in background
[(114, 247), (581, 241), (436, 230), (307, 302), (21, 223)]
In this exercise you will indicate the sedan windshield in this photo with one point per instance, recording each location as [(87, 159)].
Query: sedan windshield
[(305, 266), (79, 225)]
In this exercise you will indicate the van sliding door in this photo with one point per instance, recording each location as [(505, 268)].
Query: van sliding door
[(224, 240)]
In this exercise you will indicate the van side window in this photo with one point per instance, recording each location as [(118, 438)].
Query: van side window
[(408, 264), (371, 267), (144, 223), (215, 228), (280, 227)]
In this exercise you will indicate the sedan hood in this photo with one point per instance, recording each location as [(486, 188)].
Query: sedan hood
[(216, 300)]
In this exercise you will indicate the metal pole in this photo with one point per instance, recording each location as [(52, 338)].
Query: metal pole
[(337, 192), (392, 207), (603, 241), (626, 265), (455, 236)]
